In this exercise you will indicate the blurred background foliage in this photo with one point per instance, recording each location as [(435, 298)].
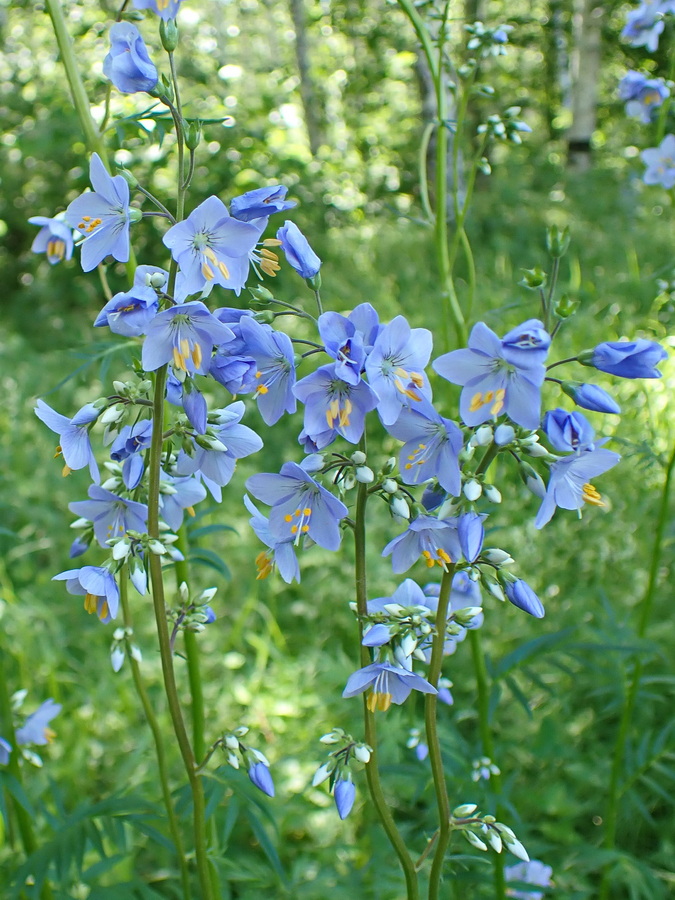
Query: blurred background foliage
[(278, 656)]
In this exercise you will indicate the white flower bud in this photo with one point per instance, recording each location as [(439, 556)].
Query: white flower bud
[(321, 774), (389, 486), (466, 454), (497, 557), (514, 846), (330, 738), (362, 753), (408, 644), (233, 760), (231, 742), (535, 485), (119, 634), (110, 484), (348, 481), (394, 609), (358, 457), (156, 279), (472, 490), (121, 549), (156, 547), (494, 841), (136, 653), (184, 591), (364, 475), (260, 756), (207, 595), (492, 493), (474, 840), (117, 658), (79, 523), (466, 809), (241, 731), (399, 507), (536, 450), (482, 437), (112, 414), (495, 589), (120, 387), (448, 508)]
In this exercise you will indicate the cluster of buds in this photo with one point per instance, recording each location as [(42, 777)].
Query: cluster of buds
[(483, 769), (121, 646), (506, 127), (193, 613), (337, 769), (237, 754), (488, 41), (483, 831)]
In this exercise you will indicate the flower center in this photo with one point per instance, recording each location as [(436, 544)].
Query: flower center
[(592, 496)]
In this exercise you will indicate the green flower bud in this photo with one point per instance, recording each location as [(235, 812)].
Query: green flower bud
[(193, 134), (557, 240), (168, 33), (533, 279)]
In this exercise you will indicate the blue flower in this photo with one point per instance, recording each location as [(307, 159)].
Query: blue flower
[(35, 730), (349, 339), (590, 396), (521, 595), (280, 553), (211, 247), (300, 506), (626, 359), (643, 95), (436, 540), (499, 376), (533, 872), (339, 404), (260, 776), (569, 485), (74, 433), (99, 588), (275, 373), (130, 312), (390, 684), (54, 238), (128, 446), (185, 336), (5, 751), (660, 162), (261, 203), (102, 216), (645, 24), (216, 467), (298, 252), (568, 431), (128, 64), (344, 794), (178, 495), (395, 367), (431, 448), (165, 9), (111, 515)]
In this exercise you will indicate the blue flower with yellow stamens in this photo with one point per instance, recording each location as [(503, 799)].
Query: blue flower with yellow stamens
[(330, 401), (569, 485), (112, 516), (165, 9), (275, 372), (279, 553), (74, 433), (211, 247), (35, 730), (184, 336), (395, 367), (300, 506), (436, 540), (130, 312), (431, 449), (389, 684), (261, 203), (97, 586), (54, 239), (102, 216), (499, 376)]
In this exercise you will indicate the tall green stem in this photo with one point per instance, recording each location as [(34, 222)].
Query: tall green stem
[(158, 739), (372, 770), (433, 742), (611, 816), (159, 605)]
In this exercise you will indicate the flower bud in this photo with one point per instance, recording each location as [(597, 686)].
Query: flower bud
[(466, 809), (389, 486), (492, 493), (482, 437), (168, 33), (497, 557), (399, 507), (358, 457), (321, 774), (193, 134), (472, 490), (362, 753), (504, 434), (557, 240), (364, 475), (533, 278), (536, 451), (231, 742)]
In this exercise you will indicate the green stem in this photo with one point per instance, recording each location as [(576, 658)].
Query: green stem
[(13, 768), (159, 605), (372, 770), (433, 742), (158, 739), (611, 816)]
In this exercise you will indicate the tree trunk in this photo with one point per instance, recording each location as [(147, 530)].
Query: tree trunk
[(308, 93), (586, 61)]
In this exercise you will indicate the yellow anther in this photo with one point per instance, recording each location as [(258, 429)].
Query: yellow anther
[(592, 496), (224, 271), (197, 355), (488, 398), (263, 564), (58, 451), (262, 389), (270, 267), (56, 247), (305, 528), (90, 603), (307, 511), (476, 402), (178, 361), (207, 271), (190, 510), (298, 513), (49, 735), (271, 242), (104, 611), (378, 701), (65, 471), (86, 218), (443, 555), (345, 413), (496, 407), (426, 554), (258, 374), (409, 465), (267, 254), (332, 412), (294, 529), (288, 518), (417, 379)]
